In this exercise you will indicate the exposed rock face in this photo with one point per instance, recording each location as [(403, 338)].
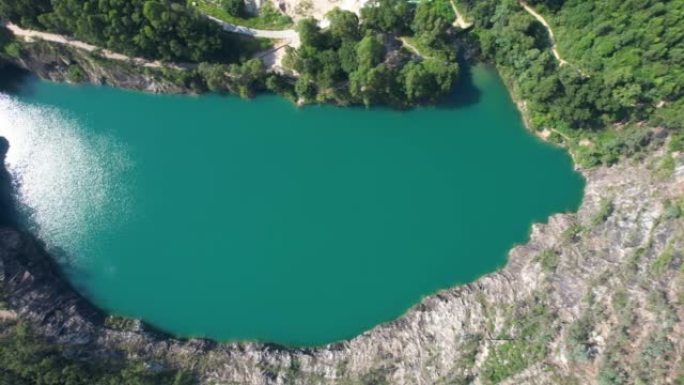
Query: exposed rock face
[(592, 296), (61, 63)]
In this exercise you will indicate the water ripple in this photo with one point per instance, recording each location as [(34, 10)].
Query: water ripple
[(65, 178)]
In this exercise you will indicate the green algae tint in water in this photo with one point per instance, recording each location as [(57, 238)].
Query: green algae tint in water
[(260, 220)]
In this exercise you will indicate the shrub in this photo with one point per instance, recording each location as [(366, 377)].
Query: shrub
[(234, 7), (75, 74)]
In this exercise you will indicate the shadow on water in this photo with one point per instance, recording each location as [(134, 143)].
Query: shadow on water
[(465, 93), (14, 80), (9, 215)]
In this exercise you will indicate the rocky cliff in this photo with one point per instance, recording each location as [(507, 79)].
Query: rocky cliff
[(67, 64), (594, 297)]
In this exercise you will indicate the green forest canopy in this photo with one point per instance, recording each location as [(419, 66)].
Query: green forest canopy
[(161, 29), (358, 60), (626, 59)]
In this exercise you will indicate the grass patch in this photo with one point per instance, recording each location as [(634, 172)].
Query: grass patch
[(532, 332), (548, 260), (608, 146), (674, 209), (75, 74), (572, 233), (666, 167), (268, 18), (578, 337), (663, 261), (605, 210)]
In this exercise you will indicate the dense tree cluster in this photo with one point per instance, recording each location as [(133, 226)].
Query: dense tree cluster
[(158, 29), (626, 59), (242, 79), (636, 46), (360, 60)]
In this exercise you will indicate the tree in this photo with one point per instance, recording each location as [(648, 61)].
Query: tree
[(309, 33), (348, 59), (370, 51), (344, 25), (430, 23), (234, 7), (156, 29), (305, 88), (393, 16), (24, 12)]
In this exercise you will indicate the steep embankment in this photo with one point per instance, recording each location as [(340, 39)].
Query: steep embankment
[(590, 292), (63, 62)]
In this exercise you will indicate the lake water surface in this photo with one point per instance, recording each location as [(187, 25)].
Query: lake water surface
[(233, 219)]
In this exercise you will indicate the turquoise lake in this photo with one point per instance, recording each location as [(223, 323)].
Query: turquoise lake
[(254, 219)]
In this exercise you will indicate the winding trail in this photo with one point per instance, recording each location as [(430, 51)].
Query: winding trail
[(542, 20), (271, 57), (289, 35), (460, 20), (31, 35), (405, 42)]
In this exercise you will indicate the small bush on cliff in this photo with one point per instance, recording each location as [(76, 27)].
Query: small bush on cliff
[(75, 74)]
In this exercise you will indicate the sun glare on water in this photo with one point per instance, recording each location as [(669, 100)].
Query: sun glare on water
[(64, 178)]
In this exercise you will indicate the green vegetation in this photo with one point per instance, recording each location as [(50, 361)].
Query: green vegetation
[(160, 29), (531, 332), (625, 67), (572, 233), (234, 7), (233, 11), (663, 261), (578, 339), (242, 79), (548, 259), (610, 145), (634, 47), (674, 209), (605, 210), (27, 360), (75, 74), (357, 60), (8, 45)]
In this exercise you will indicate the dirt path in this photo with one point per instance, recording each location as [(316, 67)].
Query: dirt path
[(411, 47), (460, 20), (31, 35), (289, 35), (541, 19)]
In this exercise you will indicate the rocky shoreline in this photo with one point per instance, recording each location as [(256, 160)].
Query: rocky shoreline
[(549, 316), (62, 63)]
